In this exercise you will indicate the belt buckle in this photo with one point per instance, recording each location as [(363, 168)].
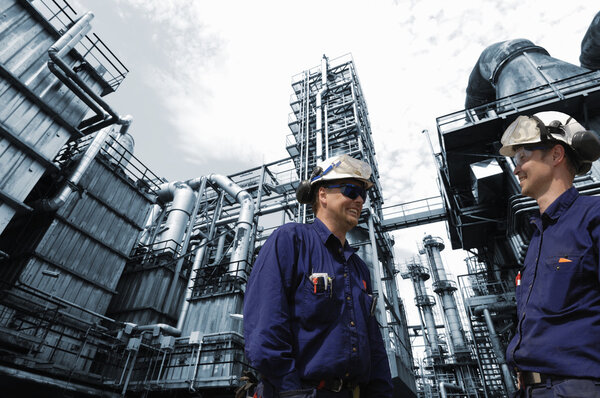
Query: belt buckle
[(339, 386)]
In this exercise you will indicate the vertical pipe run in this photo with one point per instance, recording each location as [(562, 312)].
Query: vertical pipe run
[(499, 351), (179, 265), (381, 300), (319, 106), (243, 226), (307, 138)]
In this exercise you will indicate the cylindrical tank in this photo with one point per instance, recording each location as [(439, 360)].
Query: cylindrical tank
[(445, 289)]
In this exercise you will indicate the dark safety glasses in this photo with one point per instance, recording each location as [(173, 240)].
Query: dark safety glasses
[(351, 191)]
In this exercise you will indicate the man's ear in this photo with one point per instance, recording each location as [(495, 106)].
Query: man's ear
[(558, 153), (322, 197)]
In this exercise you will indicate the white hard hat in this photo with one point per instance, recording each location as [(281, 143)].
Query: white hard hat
[(552, 126), (540, 127), (343, 166), (334, 168)]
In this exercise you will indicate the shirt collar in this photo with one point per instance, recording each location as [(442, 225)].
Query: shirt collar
[(326, 235), (556, 208), (561, 204)]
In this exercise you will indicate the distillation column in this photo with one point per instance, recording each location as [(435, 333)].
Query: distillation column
[(424, 302), (445, 288)]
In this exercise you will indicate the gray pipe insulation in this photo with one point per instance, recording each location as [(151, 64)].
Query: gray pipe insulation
[(590, 46), (513, 66)]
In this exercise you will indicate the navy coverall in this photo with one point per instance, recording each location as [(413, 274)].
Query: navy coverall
[(295, 335), (558, 299)]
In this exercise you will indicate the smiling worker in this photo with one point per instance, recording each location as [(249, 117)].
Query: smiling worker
[(556, 348), (309, 323)]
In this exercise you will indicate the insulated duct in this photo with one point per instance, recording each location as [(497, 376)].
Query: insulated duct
[(182, 198), (243, 227), (513, 66), (87, 158), (590, 46)]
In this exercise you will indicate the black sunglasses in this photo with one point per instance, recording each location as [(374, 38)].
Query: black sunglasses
[(351, 191)]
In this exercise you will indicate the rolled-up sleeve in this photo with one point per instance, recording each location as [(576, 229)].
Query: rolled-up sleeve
[(267, 329)]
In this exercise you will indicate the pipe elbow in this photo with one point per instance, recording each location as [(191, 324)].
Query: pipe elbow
[(590, 46), (481, 88)]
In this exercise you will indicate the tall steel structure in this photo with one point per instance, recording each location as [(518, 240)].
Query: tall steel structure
[(330, 117)]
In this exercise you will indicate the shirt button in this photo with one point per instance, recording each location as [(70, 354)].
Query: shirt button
[(345, 274), (348, 298), (352, 323), (354, 349)]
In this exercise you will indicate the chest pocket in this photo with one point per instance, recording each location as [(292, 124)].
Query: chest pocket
[(321, 307), (564, 264), (562, 282)]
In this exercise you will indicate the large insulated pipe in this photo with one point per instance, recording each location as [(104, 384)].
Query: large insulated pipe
[(590, 46), (496, 344), (433, 247), (319, 106), (105, 115), (512, 66), (198, 258), (157, 328), (181, 197), (243, 227), (448, 386), (87, 158)]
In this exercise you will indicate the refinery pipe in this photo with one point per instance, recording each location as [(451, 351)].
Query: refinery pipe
[(198, 258), (448, 386), (181, 197), (243, 227), (105, 115), (590, 46), (92, 150), (495, 339), (319, 116), (513, 66), (157, 328)]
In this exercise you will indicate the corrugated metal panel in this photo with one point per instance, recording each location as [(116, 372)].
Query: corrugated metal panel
[(86, 244), (211, 315), (24, 43), (116, 193), (141, 296)]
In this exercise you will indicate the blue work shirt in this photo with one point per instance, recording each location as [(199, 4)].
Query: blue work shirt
[(293, 334), (558, 299)]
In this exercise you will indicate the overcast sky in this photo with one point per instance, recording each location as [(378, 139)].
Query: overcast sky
[(210, 81)]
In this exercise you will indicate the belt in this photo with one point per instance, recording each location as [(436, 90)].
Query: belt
[(335, 385), (531, 378)]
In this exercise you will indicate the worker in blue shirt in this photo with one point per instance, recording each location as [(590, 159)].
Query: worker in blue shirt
[(309, 323), (556, 347)]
